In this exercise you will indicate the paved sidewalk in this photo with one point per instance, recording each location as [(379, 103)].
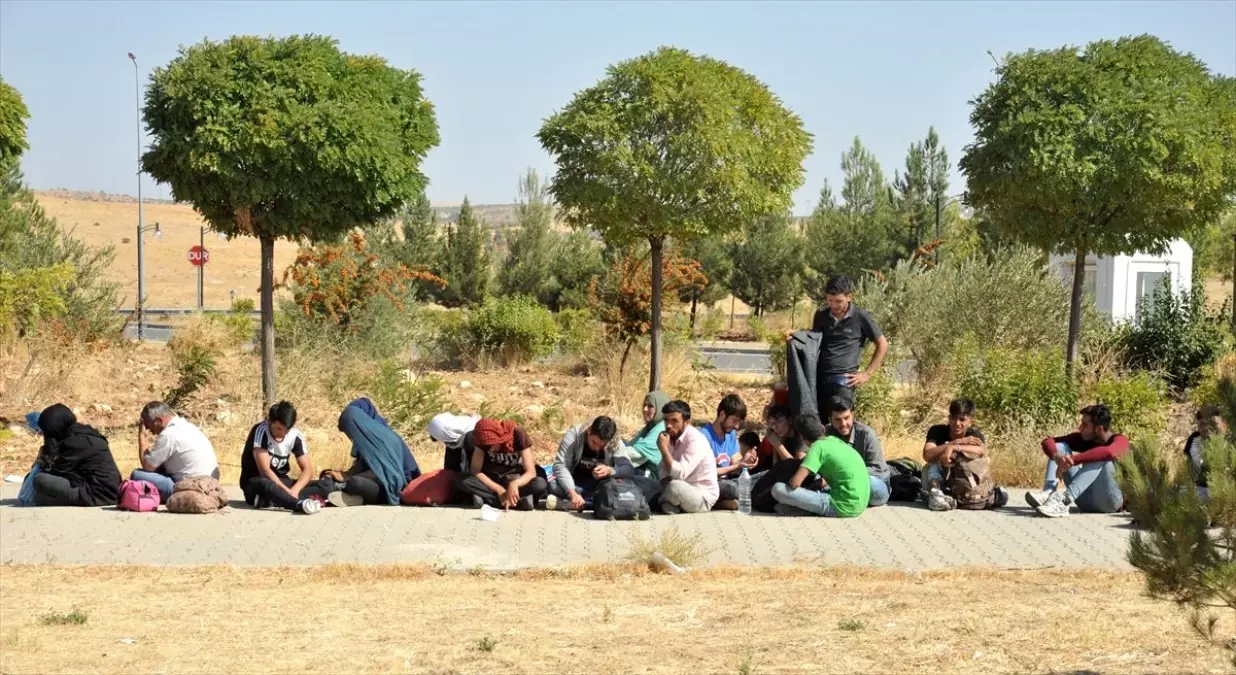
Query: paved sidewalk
[(894, 536)]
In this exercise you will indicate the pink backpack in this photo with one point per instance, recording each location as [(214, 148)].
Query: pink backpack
[(138, 495)]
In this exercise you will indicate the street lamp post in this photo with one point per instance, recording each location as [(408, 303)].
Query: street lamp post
[(141, 249), (940, 206)]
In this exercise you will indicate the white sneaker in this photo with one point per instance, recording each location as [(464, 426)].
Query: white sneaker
[(308, 506), (340, 498), (938, 501), (1055, 506), (551, 503), (1036, 499)]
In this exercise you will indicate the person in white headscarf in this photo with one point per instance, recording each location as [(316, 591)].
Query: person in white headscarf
[(450, 430)]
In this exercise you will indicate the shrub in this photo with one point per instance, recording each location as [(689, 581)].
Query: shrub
[(1011, 300), (238, 323), (1176, 335), (34, 252), (1138, 402), (875, 402), (195, 351), (1015, 386), (1207, 391), (408, 400), (505, 331), (577, 329)]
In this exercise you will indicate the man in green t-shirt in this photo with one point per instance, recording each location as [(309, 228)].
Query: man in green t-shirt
[(847, 489)]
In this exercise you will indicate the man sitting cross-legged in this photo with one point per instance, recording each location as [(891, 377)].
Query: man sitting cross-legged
[(947, 444), (722, 436), (688, 469), (586, 458), (847, 487), (841, 423), (1083, 463)]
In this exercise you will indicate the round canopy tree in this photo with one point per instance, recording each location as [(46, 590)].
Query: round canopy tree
[(670, 144), (1113, 149), (13, 115), (286, 137)]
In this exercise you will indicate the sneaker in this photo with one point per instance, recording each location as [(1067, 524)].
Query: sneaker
[(551, 503), (1000, 498), (1055, 506), (477, 502), (938, 501), (1036, 499), (308, 506), (526, 503), (726, 505), (261, 502), (341, 498), (670, 509), (787, 510)]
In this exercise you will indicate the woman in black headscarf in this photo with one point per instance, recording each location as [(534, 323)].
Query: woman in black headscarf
[(77, 465)]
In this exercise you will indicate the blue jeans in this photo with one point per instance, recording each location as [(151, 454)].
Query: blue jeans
[(1092, 486), (879, 492), (162, 481), (819, 503)]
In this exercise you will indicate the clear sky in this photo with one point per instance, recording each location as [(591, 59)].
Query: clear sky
[(884, 71)]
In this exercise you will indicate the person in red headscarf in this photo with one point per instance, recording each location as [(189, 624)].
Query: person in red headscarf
[(501, 469)]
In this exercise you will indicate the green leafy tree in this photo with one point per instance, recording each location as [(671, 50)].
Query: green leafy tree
[(530, 252), (13, 116), (858, 234), (286, 138), (1113, 149), (673, 145), (1212, 249), (465, 260), (768, 264), (713, 256)]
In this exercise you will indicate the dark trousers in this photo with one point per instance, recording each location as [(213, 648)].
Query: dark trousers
[(827, 387), (277, 496), (52, 490), (471, 486), (368, 489)]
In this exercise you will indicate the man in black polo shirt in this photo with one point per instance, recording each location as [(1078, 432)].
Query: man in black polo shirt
[(844, 329)]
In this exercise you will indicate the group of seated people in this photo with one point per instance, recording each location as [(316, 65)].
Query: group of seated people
[(827, 464)]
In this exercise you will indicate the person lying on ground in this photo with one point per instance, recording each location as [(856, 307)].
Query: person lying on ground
[(180, 450), (382, 465), (503, 473), (265, 464), (688, 468), (585, 458), (722, 436), (847, 486), (841, 423), (844, 329), (76, 466), (1210, 423), (1081, 468), (449, 430), (642, 449)]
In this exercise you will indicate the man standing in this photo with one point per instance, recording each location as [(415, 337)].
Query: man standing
[(841, 423), (181, 450), (688, 468), (722, 436), (1084, 462), (844, 329)]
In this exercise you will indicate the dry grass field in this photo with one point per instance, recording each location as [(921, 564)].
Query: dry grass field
[(614, 619)]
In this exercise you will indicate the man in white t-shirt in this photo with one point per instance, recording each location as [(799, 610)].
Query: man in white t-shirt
[(180, 450)]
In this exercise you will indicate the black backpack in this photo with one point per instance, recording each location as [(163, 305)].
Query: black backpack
[(905, 481), (619, 499)]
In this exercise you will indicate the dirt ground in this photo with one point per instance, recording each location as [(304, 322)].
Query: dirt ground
[(601, 620)]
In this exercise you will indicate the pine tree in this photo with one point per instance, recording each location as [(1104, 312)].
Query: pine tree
[(713, 256), (466, 260), (1187, 547), (768, 264), (530, 253)]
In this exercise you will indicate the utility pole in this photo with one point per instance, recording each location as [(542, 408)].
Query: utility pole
[(201, 269), (141, 250)]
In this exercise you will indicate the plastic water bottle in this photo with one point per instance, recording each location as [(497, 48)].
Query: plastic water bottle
[(744, 492)]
